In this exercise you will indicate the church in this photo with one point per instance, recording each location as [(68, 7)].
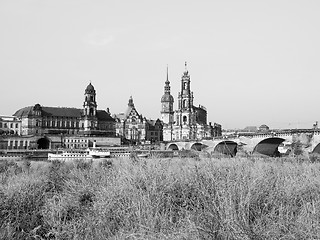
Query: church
[(134, 128), (188, 122)]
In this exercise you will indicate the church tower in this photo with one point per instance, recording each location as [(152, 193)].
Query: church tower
[(185, 100), (90, 108), (167, 103)]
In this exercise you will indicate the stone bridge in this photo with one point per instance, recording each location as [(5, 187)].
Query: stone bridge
[(266, 144)]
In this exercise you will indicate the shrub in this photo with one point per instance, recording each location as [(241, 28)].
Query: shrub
[(20, 211), (106, 163)]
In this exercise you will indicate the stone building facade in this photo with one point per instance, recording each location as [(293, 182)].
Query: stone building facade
[(188, 122), (10, 125), (134, 128), (39, 120)]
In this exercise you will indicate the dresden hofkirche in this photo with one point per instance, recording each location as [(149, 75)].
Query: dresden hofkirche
[(188, 122), (38, 120)]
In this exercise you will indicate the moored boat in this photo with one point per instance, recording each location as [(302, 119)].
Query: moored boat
[(99, 153), (70, 154)]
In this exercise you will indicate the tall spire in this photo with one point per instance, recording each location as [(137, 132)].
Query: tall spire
[(167, 83)]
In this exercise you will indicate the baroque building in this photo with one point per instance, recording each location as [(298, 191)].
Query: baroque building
[(188, 122), (134, 128), (88, 121)]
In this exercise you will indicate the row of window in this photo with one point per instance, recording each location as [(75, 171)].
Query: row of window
[(67, 124), (75, 140), (6, 125), (53, 123)]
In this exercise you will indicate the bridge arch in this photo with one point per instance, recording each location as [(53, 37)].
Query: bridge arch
[(316, 149), (269, 146), (228, 147), (173, 147), (198, 146)]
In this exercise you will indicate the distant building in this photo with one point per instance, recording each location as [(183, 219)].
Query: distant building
[(264, 128), (10, 125), (135, 128), (250, 129), (53, 127), (188, 122), (88, 121)]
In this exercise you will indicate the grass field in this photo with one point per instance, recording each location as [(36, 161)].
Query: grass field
[(226, 198)]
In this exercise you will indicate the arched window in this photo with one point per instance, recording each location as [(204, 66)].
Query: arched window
[(185, 119), (185, 103)]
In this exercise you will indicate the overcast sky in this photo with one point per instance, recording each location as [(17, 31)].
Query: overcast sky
[(251, 62)]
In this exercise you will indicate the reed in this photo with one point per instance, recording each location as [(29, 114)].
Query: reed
[(186, 198)]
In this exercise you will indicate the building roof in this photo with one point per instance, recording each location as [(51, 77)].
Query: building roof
[(264, 126), (102, 115), (90, 88), (167, 98), (61, 112), (50, 111)]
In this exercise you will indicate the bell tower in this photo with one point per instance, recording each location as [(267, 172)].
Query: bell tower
[(185, 99), (90, 108), (167, 103)]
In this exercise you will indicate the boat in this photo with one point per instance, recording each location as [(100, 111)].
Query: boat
[(120, 152), (15, 155), (99, 153), (11, 157), (70, 154)]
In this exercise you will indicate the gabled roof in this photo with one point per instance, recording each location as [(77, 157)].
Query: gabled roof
[(102, 115)]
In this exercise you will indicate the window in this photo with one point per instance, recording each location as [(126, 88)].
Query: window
[(11, 125), (17, 125), (0, 124), (185, 119), (185, 103)]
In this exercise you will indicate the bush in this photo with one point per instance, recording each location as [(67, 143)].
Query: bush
[(20, 211)]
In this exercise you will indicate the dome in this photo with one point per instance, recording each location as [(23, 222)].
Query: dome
[(167, 98), (90, 88)]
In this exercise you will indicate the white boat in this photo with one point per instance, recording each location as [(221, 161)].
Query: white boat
[(70, 154), (99, 153), (11, 157)]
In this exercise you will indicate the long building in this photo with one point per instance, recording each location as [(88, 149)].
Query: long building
[(51, 127), (39, 120)]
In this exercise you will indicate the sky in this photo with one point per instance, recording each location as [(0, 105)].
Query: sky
[(250, 62)]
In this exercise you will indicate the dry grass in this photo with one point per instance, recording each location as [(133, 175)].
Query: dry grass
[(225, 198)]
